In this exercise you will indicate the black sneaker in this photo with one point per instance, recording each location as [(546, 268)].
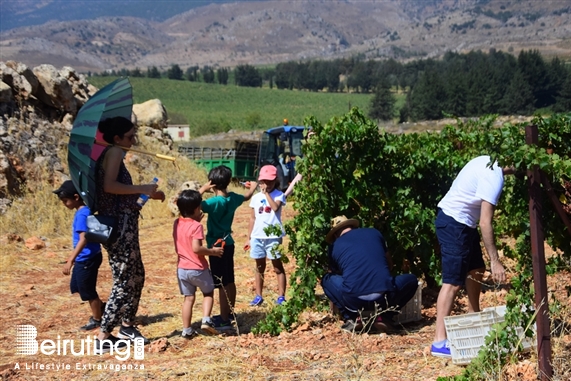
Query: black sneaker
[(104, 346), (208, 327), (217, 318), (223, 325), (131, 333), (91, 325)]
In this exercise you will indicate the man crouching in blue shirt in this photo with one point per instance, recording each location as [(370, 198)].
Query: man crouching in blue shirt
[(359, 279)]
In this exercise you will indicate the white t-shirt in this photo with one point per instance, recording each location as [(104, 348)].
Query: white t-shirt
[(475, 182), (265, 215)]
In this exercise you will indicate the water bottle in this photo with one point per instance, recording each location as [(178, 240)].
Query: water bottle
[(143, 198)]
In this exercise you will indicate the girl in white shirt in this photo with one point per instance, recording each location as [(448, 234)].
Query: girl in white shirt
[(266, 211)]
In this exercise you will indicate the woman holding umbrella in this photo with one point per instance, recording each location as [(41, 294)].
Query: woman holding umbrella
[(117, 196)]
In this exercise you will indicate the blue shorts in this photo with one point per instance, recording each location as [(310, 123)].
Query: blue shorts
[(190, 280), (262, 248), (460, 248), (222, 268), (84, 277)]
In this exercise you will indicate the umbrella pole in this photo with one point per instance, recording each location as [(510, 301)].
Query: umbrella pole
[(157, 155)]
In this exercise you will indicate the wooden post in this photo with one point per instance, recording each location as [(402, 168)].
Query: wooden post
[(538, 255)]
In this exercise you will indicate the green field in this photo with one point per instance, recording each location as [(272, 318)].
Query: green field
[(210, 108)]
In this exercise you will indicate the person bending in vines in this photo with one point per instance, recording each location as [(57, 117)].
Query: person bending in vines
[(359, 281), (473, 196)]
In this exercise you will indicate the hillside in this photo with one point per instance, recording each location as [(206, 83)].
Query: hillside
[(267, 32)]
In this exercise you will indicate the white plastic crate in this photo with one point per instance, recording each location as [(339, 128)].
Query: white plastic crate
[(412, 310), (467, 333), (526, 342)]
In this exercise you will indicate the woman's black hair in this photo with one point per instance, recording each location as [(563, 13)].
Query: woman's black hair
[(114, 126), (220, 177), (187, 202)]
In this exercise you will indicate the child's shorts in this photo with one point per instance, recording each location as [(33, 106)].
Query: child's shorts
[(190, 280), (84, 277), (262, 248), (222, 268)]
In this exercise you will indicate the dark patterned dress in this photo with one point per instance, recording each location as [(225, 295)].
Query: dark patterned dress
[(124, 255)]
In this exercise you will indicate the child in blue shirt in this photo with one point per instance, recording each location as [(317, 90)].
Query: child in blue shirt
[(86, 256)]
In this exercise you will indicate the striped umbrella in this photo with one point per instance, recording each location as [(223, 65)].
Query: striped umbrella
[(115, 99)]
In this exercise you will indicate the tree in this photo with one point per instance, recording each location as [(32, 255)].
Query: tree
[(153, 72), (192, 74), (175, 72), (286, 74), (332, 73), (304, 79), (557, 74), (428, 97), (455, 94), (247, 75), (383, 103), (518, 98), (564, 99), (534, 71), (136, 72), (222, 75), (208, 74)]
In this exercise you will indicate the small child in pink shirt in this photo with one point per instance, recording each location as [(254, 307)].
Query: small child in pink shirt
[(193, 271)]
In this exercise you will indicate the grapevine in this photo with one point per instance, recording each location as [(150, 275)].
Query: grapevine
[(393, 182)]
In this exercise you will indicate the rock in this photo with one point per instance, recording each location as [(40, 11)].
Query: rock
[(56, 88), (10, 238), (35, 243), (152, 113), (26, 72), (37, 109), (16, 81), (159, 345), (5, 204), (302, 328), (195, 185), (5, 93)]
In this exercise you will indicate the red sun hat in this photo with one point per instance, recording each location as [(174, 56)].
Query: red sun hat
[(268, 172)]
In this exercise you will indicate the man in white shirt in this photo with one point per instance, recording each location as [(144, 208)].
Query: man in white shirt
[(470, 201)]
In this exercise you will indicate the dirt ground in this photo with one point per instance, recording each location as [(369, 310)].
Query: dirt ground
[(35, 292)]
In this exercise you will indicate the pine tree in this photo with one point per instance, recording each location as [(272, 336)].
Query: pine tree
[(428, 97), (564, 99), (175, 72), (518, 98), (153, 72), (247, 75), (222, 75), (534, 71), (383, 103), (208, 74)]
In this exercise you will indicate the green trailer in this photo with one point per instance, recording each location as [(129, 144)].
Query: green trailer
[(241, 156)]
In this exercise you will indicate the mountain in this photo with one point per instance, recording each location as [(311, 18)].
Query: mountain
[(20, 13), (266, 32)]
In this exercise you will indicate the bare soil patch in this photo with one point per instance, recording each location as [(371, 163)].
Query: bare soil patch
[(34, 291)]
